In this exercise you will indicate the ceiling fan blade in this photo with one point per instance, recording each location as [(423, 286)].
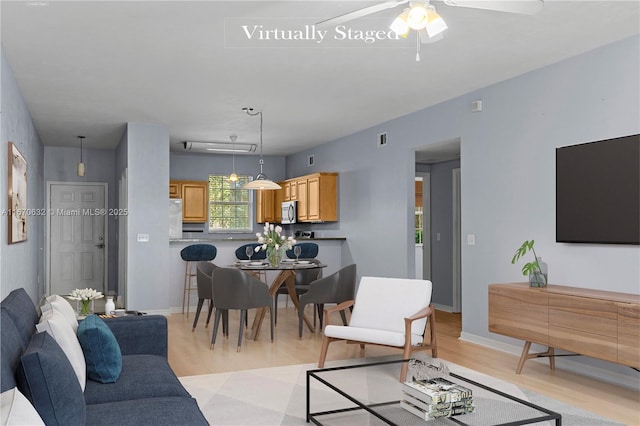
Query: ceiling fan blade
[(525, 7), (360, 13)]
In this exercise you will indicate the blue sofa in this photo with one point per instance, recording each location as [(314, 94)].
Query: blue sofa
[(146, 393)]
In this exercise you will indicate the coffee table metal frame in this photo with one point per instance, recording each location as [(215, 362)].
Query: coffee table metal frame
[(312, 417)]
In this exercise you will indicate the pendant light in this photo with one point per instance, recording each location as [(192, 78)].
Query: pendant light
[(261, 181), (81, 164), (233, 177)]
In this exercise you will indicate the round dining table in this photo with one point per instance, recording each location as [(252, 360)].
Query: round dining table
[(287, 276)]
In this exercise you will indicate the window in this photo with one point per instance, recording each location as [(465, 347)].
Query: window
[(230, 207)]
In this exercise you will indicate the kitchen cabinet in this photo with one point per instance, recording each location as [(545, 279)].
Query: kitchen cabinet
[(289, 190), (317, 196), (268, 204), (195, 199), (302, 200)]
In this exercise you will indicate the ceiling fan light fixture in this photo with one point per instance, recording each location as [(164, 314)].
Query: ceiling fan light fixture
[(435, 23), (417, 18), (400, 25)]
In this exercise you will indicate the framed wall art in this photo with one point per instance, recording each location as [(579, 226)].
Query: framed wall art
[(17, 206)]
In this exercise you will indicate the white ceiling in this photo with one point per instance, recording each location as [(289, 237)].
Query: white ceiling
[(89, 67)]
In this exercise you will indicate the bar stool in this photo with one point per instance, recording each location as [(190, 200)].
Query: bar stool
[(191, 254)]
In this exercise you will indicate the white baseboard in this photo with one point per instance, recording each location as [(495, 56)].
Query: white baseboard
[(445, 308), (630, 381)]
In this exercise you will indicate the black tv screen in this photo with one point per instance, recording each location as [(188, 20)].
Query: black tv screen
[(598, 192)]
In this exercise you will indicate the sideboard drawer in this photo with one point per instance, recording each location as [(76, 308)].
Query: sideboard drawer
[(519, 313), (629, 334)]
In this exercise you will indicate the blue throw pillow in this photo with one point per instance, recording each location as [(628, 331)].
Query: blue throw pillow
[(101, 350), (45, 376)]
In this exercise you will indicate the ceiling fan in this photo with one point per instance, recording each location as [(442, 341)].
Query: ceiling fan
[(422, 17)]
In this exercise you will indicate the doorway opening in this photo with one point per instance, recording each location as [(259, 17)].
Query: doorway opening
[(442, 218)]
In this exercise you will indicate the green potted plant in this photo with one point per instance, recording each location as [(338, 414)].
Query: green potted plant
[(536, 270)]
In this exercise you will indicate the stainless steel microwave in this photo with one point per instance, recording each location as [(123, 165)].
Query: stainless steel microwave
[(289, 212)]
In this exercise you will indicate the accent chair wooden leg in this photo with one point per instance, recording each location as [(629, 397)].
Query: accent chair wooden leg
[(361, 350), (323, 351), (552, 359), (432, 331), (405, 365)]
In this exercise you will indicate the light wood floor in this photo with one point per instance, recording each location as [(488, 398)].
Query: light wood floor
[(189, 354)]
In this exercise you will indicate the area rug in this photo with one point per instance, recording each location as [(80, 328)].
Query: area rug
[(277, 396)]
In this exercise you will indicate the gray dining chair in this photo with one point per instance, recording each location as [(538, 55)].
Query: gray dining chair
[(235, 289), (335, 288), (204, 275), (304, 277)]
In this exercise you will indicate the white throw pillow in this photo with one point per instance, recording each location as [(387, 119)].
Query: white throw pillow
[(63, 306), (16, 410), (54, 323)]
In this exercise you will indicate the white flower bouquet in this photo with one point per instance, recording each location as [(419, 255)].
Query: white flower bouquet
[(274, 243), (85, 296)]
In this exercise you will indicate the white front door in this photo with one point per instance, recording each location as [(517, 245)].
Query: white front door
[(77, 229)]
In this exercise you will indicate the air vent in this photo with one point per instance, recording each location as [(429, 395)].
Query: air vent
[(382, 139)]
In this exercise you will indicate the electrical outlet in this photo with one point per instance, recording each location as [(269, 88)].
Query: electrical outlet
[(143, 238)]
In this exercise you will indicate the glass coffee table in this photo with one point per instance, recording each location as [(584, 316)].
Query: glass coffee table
[(370, 394)]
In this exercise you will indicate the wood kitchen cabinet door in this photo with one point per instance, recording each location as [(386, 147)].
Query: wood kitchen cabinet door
[(174, 189), (302, 204), (195, 196), (265, 206)]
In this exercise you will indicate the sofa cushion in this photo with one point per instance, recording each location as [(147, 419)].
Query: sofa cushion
[(101, 350), (61, 305), (143, 376), (16, 410), (163, 411), (47, 379), (22, 312), (10, 350), (54, 323)]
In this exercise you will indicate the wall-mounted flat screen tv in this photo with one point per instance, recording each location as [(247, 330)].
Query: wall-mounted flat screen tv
[(598, 192)]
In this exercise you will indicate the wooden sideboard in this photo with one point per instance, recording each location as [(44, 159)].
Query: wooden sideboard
[(596, 323)]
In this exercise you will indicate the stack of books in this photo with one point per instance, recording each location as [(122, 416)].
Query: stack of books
[(431, 399)]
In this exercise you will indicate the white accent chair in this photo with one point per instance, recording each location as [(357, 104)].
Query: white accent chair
[(390, 312)]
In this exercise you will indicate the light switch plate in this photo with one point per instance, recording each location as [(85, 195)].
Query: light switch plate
[(471, 239)]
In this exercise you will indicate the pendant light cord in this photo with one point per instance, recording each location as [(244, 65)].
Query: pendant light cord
[(251, 113)]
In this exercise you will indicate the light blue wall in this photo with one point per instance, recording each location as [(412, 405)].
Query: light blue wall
[(147, 194), (22, 263), (508, 176), (60, 165)]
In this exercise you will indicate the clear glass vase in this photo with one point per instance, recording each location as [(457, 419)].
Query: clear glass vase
[(85, 307), (539, 278), (274, 256)]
